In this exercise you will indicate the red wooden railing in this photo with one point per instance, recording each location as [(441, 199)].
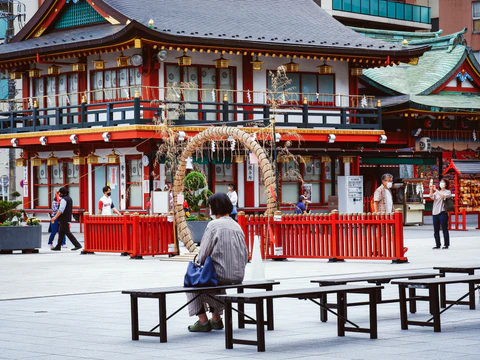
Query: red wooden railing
[(332, 236), (134, 234)]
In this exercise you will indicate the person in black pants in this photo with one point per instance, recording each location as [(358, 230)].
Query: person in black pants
[(64, 215)]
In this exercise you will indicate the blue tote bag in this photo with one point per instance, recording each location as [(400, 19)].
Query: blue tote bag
[(200, 275)]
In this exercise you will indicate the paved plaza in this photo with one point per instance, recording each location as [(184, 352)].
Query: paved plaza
[(69, 306)]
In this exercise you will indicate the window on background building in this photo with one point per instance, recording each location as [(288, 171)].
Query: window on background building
[(290, 182), (476, 17), (224, 175), (316, 88), (134, 182), (56, 90), (200, 84), (115, 84), (49, 179)]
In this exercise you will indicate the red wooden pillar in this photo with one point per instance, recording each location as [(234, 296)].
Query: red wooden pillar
[(248, 86)]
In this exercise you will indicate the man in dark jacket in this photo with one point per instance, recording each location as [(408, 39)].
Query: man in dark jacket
[(64, 215)]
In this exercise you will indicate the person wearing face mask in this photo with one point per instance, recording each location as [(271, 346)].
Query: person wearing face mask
[(224, 242), (105, 204), (383, 199), (64, 216), (440, 216)]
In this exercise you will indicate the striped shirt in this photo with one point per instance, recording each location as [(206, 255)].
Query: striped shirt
[(224, 242)]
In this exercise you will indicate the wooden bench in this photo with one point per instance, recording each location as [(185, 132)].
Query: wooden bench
[(311, 294), (161, 294), (469, 270), (433, 290), (378, 280)]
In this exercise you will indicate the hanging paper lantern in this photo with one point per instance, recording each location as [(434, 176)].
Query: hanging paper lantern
[(52, 160), (113, 158), (92, 158)]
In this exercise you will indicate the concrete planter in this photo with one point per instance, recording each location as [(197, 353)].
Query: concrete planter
[(197, 228), (20, 237)]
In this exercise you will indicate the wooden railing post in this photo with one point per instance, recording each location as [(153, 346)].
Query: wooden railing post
[(225, 108), (242, 221), (86, 232), (334, 237), (83, 114), (136, 109), (399, 245), (277, 232), (305, 112), (135, 235)]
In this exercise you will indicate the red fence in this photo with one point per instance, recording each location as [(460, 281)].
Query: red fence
[(332, 236), (137, 235)]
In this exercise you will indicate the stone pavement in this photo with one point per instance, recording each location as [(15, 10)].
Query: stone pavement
[(67, 306)]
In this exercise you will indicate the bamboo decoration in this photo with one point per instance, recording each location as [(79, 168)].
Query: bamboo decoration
[(196, 143)]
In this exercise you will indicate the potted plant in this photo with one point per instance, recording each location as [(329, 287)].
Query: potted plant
[(196, 197), (13, 234)]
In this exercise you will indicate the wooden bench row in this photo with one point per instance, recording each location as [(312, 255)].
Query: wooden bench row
[(434, 282)]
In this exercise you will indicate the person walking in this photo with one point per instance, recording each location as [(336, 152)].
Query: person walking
[(105, 204), (55, 225), (224, 242), (232, 195), (64, 216), (301, 207), (382, 197), (440, 216)]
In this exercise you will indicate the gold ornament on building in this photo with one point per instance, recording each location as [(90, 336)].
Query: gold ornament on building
[(221, 63), (78, 67), (348, 159), (305, 159), (21, 161), (34, 73), (137, 44), (324, 69), (239, 158), (52, 160), (356, 71), (325, 159), (36, 160), (113, 158), (184, 60), (291, 66), (122, 60), (16, 75), (78, 159), (92, 159), (283, 159), (53, 70), (256, 64), (99, 64)]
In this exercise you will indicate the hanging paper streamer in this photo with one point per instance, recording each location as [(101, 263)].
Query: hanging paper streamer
[(213, 146), (317, 95), (284, 99), (474, 135), (67, 99), (106, 94), (232, 145), (213, 95), (49, 101), (253, 158), (30, 102), (249, 97), (127, 95), (364, 101)]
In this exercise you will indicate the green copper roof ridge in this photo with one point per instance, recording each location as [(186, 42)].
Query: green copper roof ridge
[(380, 87), (396, 32), (441, 81)]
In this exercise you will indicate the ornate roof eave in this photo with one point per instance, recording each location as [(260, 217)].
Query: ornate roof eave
[(49, 6)]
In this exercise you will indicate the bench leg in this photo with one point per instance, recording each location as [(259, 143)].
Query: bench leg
[(403, 307), (413, 303), (341, 312), (269, 314), (443, 293), (162, 310), (471, 289), (134, 315), (228, 325), (260, 326), (373, 313), (241, 310), (435, 307), (323, 311)]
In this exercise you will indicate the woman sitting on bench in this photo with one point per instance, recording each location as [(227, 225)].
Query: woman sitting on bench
[(224, 242)]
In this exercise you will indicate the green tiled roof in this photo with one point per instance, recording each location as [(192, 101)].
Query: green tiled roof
[(448, 101), (432, 69)]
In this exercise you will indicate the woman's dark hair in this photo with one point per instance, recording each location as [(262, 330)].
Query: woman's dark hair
[(220, 204), (63, 191), (447, 183), (232, 186)]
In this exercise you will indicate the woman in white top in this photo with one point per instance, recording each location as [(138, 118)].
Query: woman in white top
[(232, 195), (440, 216)]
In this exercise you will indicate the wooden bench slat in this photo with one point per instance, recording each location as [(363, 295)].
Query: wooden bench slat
[(442, 280), (180, 289), (456, 269), (297, 292), (380, 278)]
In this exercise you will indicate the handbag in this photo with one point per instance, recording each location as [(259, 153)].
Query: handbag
[(449, 205), (200, 275)]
